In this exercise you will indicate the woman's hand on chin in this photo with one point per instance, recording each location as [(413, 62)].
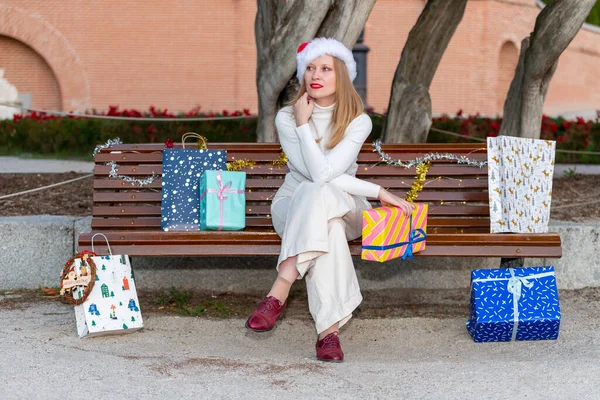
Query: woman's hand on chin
[(303, 109), (389, 199)]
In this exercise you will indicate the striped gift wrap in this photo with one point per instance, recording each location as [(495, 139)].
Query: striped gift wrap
[(387, 233)]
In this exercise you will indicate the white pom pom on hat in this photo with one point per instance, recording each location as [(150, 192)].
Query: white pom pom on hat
[(318, 47)]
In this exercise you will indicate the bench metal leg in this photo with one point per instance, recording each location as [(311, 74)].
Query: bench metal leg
[(131, 265), (512, 262)]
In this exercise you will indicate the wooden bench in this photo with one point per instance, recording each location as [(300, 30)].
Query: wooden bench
[(458, 224)]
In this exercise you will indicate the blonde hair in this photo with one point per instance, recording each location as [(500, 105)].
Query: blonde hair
[(348, 104)]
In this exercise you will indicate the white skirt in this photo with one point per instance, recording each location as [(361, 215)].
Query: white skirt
[(315, 224)]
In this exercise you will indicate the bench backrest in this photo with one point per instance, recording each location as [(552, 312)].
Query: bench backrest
[(457, 194)]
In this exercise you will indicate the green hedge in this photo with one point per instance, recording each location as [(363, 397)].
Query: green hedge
[(77, 137), (577, 135)]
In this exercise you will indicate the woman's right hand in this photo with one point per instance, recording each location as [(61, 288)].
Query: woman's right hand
[(303, 109), (389, 199)]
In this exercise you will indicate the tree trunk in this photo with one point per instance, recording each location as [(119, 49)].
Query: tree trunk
[(555, 27), (409, 110), (280, 27)]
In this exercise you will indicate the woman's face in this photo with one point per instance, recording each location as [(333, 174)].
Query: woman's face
[(319, 78)]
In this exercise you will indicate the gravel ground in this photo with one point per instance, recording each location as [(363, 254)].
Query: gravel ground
[(183, 357)]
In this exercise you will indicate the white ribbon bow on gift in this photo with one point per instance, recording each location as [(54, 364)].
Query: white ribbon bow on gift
[(514, 286)]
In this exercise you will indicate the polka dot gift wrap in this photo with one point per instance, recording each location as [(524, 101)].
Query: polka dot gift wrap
[(182, 169)]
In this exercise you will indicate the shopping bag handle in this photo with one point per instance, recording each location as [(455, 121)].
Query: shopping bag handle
[(107, 244), (201, 146)]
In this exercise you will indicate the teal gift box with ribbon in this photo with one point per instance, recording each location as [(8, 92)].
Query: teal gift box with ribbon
[(510, 304), (222, 201)]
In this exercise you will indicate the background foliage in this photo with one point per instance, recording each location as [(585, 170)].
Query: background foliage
[(44, 135)]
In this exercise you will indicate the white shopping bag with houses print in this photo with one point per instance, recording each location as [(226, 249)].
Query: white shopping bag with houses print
[(520, 183), (112, 306)]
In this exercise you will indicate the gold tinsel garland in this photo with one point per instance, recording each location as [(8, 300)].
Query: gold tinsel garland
[(281, 161), (237, 165), (417, 185), (422, 165)]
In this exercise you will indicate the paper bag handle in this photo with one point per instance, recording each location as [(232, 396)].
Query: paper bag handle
[(107, 244), (202, 146)]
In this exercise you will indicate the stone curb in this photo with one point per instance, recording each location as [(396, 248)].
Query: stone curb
[(35, 248)]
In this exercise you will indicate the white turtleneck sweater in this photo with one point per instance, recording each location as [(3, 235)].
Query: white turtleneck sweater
[(312, 161)]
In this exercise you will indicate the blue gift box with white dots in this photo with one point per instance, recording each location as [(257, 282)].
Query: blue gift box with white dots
[(182, 169), (514, 304)]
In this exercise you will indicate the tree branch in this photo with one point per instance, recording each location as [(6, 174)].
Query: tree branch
[(345, 20), (409, 109), (512, 105), (280, 27), (555, 27), (428, 40)]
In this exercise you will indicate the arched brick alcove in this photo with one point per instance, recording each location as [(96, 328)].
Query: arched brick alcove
[(48, 42), (507, 64)]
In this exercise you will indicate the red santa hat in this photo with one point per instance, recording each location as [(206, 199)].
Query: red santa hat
[(317, 47)]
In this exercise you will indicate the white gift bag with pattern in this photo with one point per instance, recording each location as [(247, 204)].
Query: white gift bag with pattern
[(520, 183), (112, 306)]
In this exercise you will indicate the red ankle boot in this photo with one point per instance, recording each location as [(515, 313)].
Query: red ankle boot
[(264, 317), (329, 349)]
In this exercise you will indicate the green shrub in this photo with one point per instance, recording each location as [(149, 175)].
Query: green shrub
[(77, 137), (577, 135)]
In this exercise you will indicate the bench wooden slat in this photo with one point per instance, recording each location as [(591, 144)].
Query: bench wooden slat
[(363, 171), (434, 171), (263, 225), (363, 158), (103, 182), (270, 249), (488, 239), (275, 183), (265, 222), (241, 243), (262, 152), (150, 210), (455, 148), (252, 196)]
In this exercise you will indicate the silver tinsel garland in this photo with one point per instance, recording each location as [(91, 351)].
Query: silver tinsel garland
[(110, 143), (114, 173), (427, 157), (114, 167)]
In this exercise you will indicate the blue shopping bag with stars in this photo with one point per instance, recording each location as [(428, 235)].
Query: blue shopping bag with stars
[(181, 172)]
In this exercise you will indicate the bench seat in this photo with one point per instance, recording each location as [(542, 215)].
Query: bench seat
[(458, 221)]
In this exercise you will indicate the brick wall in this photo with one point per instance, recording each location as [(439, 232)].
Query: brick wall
[(475, 72), (30, 73), (178, 55)]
